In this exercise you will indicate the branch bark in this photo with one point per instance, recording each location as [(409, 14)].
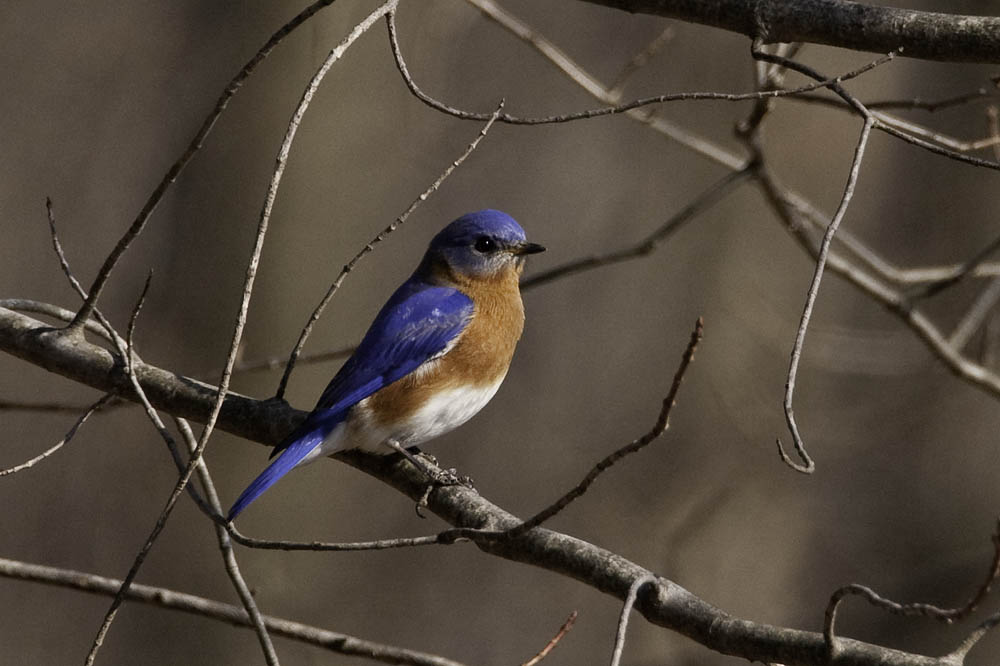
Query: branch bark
[(666, 604), (849, 25)]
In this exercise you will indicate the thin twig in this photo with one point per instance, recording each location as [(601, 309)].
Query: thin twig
[(947, 615), (615, 109), (228, 556), (111, 334), (715, 193), (323, 546), (578, 75), (915, 104), (178, 166), (105, 399), (241, 317), (544, 652), (633, 593), (809, 465), (661, 425), (314, 317), (161, 597)]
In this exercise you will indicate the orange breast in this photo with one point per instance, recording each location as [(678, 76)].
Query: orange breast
[(479, 358)]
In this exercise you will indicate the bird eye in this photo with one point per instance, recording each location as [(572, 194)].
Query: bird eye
[(486, 244)]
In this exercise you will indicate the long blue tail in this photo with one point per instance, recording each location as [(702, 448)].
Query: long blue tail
[(291, 456)]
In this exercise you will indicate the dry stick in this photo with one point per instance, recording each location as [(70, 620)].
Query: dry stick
[(544, 652), (251, 273), (585, 80), (915, 104), (226, 547), (945, 140), (633, 593), (381, 544), (715, 193), (800, 334), (948, 615), (617, 108), (68, 436), (824, 250), (314, 317), (661, 425), (161, 597), (74, 283), (589, 83), (174, 171)]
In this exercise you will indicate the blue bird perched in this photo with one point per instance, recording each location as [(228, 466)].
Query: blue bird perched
[(434, 356)]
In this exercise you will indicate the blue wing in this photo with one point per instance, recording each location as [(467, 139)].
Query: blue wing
[(415, 325)]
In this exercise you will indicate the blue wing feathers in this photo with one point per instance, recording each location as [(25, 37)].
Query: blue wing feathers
[(304, 439), (417, 323)]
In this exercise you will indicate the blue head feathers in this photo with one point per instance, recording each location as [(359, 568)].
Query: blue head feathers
[(481, 243)]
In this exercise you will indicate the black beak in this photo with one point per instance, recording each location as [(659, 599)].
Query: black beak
[(526, 248)]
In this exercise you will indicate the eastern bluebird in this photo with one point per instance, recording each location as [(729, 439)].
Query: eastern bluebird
[(434, 356)]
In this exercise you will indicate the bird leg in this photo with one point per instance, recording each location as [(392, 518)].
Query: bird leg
[(438, 477)]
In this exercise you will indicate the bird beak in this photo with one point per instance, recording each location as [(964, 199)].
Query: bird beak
[(526, 248)]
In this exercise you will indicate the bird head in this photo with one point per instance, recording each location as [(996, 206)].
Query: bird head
[(481, 245)]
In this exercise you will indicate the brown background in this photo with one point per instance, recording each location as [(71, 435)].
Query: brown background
[(97, 101)]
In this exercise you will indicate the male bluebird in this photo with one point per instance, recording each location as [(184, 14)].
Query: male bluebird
[(434, 356)]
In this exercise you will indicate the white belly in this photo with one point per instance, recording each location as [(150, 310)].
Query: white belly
[(444, 412)]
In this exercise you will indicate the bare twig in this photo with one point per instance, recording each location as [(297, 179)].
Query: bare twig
[(948, 615), (808, 465), (105, 399), (614, 109), (161, 597), (661, 425), (544, 652), (800, 335), (228, 556), (715, 192), (241, 317), (314, 317), (178, 166), (381, 544), (633, 593)]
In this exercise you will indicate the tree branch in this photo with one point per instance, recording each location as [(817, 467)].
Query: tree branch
[(665, 604), (848, 25)]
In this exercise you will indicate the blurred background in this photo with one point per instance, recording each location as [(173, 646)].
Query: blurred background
[(100, 99)]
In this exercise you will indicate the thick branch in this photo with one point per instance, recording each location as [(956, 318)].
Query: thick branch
[(849, 25), (81, 361), (666, 604)]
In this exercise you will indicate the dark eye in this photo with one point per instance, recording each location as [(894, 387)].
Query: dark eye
[(486, 244)]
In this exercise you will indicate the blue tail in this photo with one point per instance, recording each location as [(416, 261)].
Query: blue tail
[(290, 456)]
